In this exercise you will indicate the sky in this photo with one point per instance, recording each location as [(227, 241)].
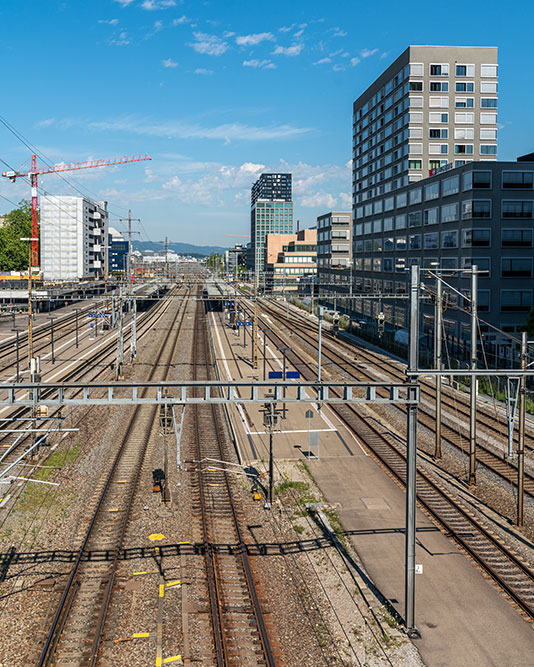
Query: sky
[(218, 92)]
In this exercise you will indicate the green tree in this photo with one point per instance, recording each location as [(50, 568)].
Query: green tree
[(17, 225), (529, 325), (215, 261)]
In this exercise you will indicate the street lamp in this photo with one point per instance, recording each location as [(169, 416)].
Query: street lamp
[(52, 318), (264, 331)]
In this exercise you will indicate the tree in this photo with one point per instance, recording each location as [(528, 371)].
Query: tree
[(17, 225), (529, 325)]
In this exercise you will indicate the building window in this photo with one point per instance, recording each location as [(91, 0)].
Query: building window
[(415, 196), (449, 239), (400, 243), (388, 265), (400, 264), (436, 164), (438, 133), (465, 70), (516, 300), (377, 245), (488, 70), (477, 180), (464, 133), (464, 87), (415, 149), (488, 102), (483, 300), (476, 238), (414, 242), (440, 70), (431, 241), (400, 221), (488, 119), (488, 86), (517, 208), (488, 134), (414, 219), (438, 149), (414, 164), (517, 180), (416, 69), (439, 86), (438, 117), (516, 238), (476, 208), (431, 216), (389, 244), (416, 86), (488, 149), (402, 198), (466, 117), (463, 149), (449, 263), (450, 186), (432, 191), (439, 102), (516, 267), (464, 102), (388, 224)]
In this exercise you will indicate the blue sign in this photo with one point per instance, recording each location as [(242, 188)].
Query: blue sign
[(98, 314), (292, 375), (91, 325), (228, 303), (241, 324), (275, 375)]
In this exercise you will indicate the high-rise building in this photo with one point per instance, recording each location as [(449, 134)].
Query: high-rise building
[(74, 231), (117, 251), (271, 213), (434, 106), (334, 258)]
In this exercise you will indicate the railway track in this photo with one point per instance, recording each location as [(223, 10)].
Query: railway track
[(239, 629), (77, 627), (456, 435), (498, 560)]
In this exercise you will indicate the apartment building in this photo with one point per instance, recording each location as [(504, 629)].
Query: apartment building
[(290, 257), (334, 258), (481, 213), (435, 105), (73, 237), (117, 251), (271, 213)]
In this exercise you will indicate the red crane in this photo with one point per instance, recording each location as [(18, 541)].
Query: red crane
[(34, 172)]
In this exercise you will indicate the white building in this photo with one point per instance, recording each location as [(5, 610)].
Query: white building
[(73, 238)]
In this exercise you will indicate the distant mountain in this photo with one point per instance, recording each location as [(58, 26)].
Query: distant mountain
[(178, 248)]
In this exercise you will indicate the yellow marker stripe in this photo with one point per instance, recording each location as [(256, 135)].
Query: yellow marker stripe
[(137, 635), (146, 572), (161, 590), (183, 542), (137, 573), (113, 509), (156, 549), (122, 481), (214, 484), (173, 583), (173, 658), (159, 662), (211, 469)]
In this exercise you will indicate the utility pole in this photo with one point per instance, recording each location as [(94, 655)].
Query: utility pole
[(52, 318), (474, 380), (411, 457), (76, 310), (120, 341), (319, 343), (255, 326), (31, 245), (166, 258), (437, 363), (133, 340), (129, 220), (17, 331), (521, 443), (283, 349)]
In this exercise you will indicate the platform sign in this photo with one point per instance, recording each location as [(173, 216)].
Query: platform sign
[(292, 375), (244, 324), (98, 315), (275, 375)]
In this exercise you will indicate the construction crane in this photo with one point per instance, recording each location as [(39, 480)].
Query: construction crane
[(239, 236), (58, 168)]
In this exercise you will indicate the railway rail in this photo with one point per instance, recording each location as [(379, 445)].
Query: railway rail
[(340, 355), (78, 624), (496, 558), (239, 628)]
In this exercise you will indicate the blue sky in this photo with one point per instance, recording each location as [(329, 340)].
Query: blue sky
[(218, 92)]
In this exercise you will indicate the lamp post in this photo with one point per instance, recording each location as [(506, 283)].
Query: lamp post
[(52, 318), (264, 332), (319, 342), (283, 349), (76, 310), (30, 322)]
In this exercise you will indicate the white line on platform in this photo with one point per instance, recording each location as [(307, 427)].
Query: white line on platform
[(304, 430)]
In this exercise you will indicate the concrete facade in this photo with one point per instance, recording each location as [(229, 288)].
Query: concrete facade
[(289, 257), (334, 257), (433, 106), (74, 231)]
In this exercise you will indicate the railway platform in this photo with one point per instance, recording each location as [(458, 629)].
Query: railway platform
[(462, 617)]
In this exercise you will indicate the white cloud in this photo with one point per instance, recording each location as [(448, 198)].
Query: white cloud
[(202, 70), (293, 50), (183, 19), (346, 200), (338, 68), (355, 61), (109, 21), (209, 44), (169, 62), (286, 28), (182, 130), (46, 122), (256, 38), (123, 40), (323, 61), (338, 32), (259, 64), (368, 52), (298, 34), (151, 5), (319, 200), (124, 3)]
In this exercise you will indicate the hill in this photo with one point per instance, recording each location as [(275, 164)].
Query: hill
[(179, 248)]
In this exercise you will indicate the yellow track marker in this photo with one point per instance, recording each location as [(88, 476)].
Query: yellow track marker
[(156, 549), (183, 542), (214, 484), (155, 537), (173, 658), (211, 469), (138, 573), (113, 509), (140, 635), (174, 583), (159, 662), (161, 590), (146, 572), (122, 481)]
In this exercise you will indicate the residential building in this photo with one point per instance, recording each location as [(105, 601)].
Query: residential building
[(334, 258), (271, 213), (435, 105), (482, 214), (73, 238), (290, 257), (234, 257), (117, 251)]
